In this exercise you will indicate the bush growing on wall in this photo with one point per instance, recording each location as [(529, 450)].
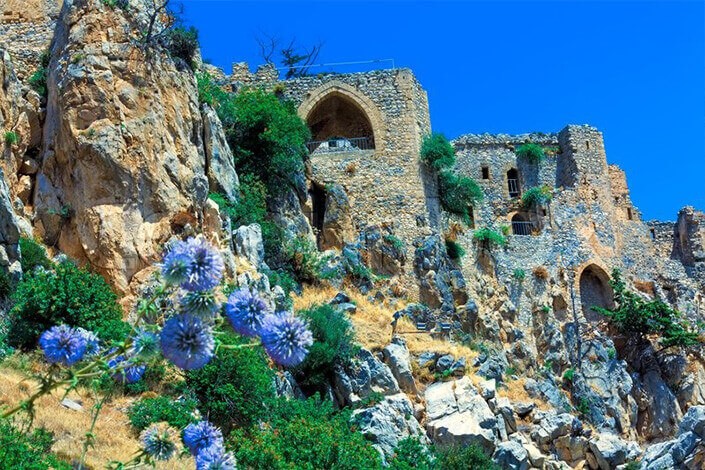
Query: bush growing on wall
[(537, 196), (489, 237), (458, 193), (455, 251), (437, 152), (182, 43), (532, 152), (70, 295), (33, 255)]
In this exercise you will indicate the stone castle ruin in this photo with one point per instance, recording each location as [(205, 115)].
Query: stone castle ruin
[(367, 130)]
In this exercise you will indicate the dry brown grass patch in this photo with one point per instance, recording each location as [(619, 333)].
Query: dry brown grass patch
[(514, 390), (115, 439)]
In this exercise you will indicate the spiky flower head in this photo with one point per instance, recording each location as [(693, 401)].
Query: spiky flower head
[(92, 342), (145, 345), (286, 338), (201, 435), (187, 341), (159, 441), (176, 265), (245, 310), (215, 458), (125, 370), (63, 344), (202, 304), (206, 268)]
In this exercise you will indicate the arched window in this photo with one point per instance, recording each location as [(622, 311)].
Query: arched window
[(521, 225), (513, 183), (595, 291), (338, 124)]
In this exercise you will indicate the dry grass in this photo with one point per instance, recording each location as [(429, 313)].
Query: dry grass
[(372, 323), (115, 439), (514, 390)]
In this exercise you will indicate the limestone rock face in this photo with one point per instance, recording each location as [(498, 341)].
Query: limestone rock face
[(222, 177), (9, 229), (364, 375), (398, 358), (123, 158)]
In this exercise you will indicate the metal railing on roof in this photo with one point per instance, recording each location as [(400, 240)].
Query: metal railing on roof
[(341, 144)]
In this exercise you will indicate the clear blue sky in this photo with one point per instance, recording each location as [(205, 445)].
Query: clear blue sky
[(634, 70)]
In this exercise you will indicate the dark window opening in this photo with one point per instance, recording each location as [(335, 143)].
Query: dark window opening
[(339, 124), (521, 225), (630, 216), (653, 234), (471, 216), (318, 209), (513, 183), (485, 173), (543, 212), (587, 144)]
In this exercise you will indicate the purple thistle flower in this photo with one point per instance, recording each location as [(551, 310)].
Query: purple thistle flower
[(187, 342), (246, 310), (286, 339), (176, 265), (127, 372), (159, 441), (202, 435), (206, 267), (201, 304), (215, 458), (92, 341), (63, 344)]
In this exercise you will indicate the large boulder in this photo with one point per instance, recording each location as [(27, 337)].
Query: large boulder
[(247, 240), (222, 177), (397, 356), (9, 229), (123, 157), (511, 455), (338, 228), (388, 422), (441, 283), (363, 376), (610, 450), (457, 415)]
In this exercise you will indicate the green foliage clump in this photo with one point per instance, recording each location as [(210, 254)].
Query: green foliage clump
[(410, 454), (5, 284), (532, 152), (455, 251), (436, 152), (458, 193), (568, 375), (11, 138), (38, 80), (178, 413), (396, 242), (182, 43), (334, 337), (236, 388), (537, 196), (305, 259), (489, 237), (210, 92), (635, 315), (27, 451), (519, 274), (70, 295), (583, 406), (267, 137), (32, 255), (463, 458), (304, 434)]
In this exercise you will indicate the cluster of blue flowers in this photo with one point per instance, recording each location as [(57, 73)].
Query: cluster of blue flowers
[(192, 270), (205, 442)]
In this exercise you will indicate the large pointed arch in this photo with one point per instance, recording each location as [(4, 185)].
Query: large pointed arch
[(358, 113)]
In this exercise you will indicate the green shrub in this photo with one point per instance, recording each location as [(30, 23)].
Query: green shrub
[(489, 237), (583, 406), (464, 458), (182, 43), (437, 152), (69, 295), (32, 255), (409, 454), (334, 337), (455, 251), (304, 434), (396, 242), (458, 193), (305, 259), (267, 137), (5, 284), (635, 315), (236, 388), (177, 412), (611, 353), (27, 451), (38, 80), (210, 92), (519, 274), (11, 138), (532, 152), (537, 196), (568, 375)]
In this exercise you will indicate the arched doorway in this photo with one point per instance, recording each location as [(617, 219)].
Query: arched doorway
[(513, 182), (521, 224), (338, 123), (595, 291)]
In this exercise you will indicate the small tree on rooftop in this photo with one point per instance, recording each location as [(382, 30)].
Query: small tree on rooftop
[(437, 152), (532, 152)]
